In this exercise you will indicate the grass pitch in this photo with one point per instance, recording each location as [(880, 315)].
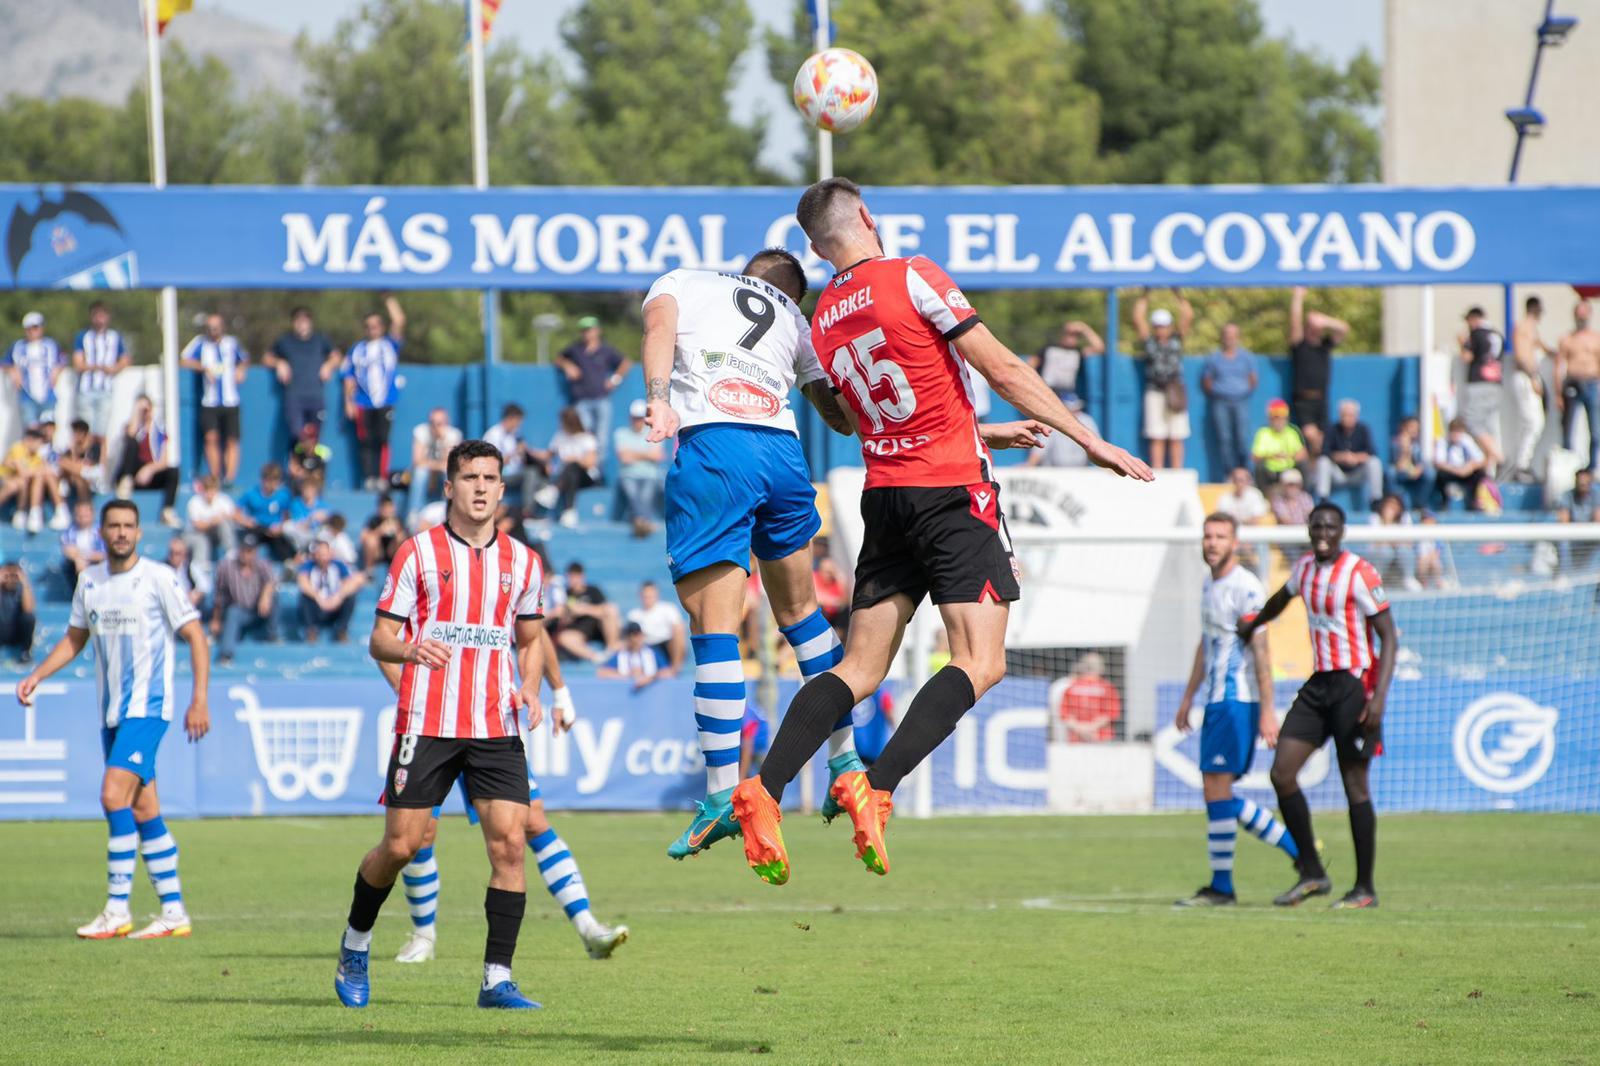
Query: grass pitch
[(993, 940)]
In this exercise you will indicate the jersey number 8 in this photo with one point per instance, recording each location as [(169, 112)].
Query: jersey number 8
[(855, 366)]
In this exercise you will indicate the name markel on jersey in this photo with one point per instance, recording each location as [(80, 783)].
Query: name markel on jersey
[(847, 305)]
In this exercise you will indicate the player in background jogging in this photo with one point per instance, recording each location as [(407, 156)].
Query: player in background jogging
[(1236, 681), (133, 610), (896, 338)]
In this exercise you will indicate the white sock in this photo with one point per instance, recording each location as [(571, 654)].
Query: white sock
[(494, 973), (357, 941), (585, 923), (175, 912)]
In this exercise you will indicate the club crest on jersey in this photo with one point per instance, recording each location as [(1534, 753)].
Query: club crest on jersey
[(1379, 596), (714, 360), (956, 298), (400, 776), (743, 399), (505, 584), (388, 587)]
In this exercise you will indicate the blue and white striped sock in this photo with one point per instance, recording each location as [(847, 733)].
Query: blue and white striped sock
[(121, 855), (1261, 822), (160, 853), (718, 706), (1221, 834), (421, 880), (560, 872), (817, 649)]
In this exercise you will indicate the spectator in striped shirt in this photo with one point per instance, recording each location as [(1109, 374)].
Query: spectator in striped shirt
[(34, 364), (370, 389), (246, 597), (98, 356), (221, 361), (635, 661)]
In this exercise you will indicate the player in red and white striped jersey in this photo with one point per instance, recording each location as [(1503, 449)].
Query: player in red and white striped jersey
[(1346, 608), (461, 600)]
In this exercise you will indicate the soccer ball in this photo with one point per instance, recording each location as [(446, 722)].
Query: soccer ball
[(836, 90)]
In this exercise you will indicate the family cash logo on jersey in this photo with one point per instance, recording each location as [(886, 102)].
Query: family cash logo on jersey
[(1504, 742)]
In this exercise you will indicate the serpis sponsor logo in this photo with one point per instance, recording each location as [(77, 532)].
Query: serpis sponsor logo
[(743, 399)]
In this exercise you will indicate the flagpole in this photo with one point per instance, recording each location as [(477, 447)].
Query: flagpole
[(480, 180), (821, 42), (158, 178)]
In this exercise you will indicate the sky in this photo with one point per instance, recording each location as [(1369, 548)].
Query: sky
[(1339, 30)]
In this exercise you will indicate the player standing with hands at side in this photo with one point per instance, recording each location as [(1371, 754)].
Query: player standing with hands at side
[(1237, 681), (896, 338), (132, 608), (1343, 698), (461, 599)]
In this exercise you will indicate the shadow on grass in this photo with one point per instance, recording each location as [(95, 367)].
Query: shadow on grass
[(468, 1038)]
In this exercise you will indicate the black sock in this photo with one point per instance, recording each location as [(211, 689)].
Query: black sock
[(1297, 816), (1364, 832), (504, 911), (932, 716), (366, 903), (820, 703)]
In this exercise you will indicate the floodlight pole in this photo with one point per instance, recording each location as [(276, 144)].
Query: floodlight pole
[(821, 42), (158, 179), (480, 180)]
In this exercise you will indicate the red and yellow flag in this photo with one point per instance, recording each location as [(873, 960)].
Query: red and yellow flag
[(167, 10), (491, 10)]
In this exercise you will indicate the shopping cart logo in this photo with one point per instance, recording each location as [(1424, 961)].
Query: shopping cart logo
[(300, 750), (1504, 742)]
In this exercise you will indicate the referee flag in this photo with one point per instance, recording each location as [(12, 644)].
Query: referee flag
[(167, 10)]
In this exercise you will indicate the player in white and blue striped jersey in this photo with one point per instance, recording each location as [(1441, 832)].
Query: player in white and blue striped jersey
[(1236, 679), (99, 355), (134, 612), (221, 361)]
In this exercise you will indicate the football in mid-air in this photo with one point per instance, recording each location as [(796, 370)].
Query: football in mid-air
[(836, 90)]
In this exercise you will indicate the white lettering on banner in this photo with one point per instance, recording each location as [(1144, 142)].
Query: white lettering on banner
[(1122, 257), (1083, 239), (306, 245), (1290, 241), (375, 239), (497, 246), (427, 246), (1523, 747), (970, 235), (622, 240), (1396, 242), (997, 730), (1161, 242), (1216, 241), (1333, 238), (1466, 241), (597, 754), (585, 239), (901, 234)]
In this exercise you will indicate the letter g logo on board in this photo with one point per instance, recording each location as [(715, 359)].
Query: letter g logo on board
[(1504, 742)]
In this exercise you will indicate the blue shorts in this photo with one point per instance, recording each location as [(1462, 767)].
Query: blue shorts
[(466, 800), (1228, 737), (734, 489), (131, 745)]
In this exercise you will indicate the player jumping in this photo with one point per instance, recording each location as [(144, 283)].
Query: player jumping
[(556, 865), (896, 337), (721, 353), (133, 608), (1343, 698), (1238, 691), (461, 599)]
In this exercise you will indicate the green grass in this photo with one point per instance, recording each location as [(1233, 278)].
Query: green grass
[(994, 940)]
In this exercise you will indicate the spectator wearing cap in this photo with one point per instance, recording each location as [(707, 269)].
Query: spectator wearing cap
[(98, 356), (1347, 458), (1313, 335), (1409, 474), (639, 474), (34, 365), (1229, 379), (309, 457), (1060, 450), (246, 597), (1291, 503), (635, 661), (17, 612), (1482, 350), (81, 546), (304, 360), (327, 594), (1459, 465), (1166, 398), (1278, 446), (1061, 364), (221, 361), (593, 370)]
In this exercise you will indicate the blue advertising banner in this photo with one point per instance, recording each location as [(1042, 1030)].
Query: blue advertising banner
[(126, 236), (1498, 743)]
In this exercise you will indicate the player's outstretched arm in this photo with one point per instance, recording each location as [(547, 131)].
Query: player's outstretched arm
[(1274, 607), (1197, 673), (66, 650), (838, 417), (655, 354), (1372, 713), (197, 720), (1020, 385)]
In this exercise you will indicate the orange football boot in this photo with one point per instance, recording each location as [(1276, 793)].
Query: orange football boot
[(758, 816), (869, 811)]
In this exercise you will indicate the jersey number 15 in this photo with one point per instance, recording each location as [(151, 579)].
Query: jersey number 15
[(855, 366)]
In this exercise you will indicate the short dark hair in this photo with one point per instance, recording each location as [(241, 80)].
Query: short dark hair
[(79, 426), (272, 470), (1534, 305), (296, 312), (510, 410), (816, 203), (1331, 507), (469, 450), (1474, 311), (647, 584), (98, 305), (119, 505), (1221, 519), (575, 567), (780, 266)]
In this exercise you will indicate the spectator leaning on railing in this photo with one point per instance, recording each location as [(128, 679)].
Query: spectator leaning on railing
[(1580, 504), (593, 370)]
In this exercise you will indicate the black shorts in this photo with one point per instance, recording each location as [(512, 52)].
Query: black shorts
[(223, 421), (950, 542), (422, 770), (1329, 705), (1310, 411)]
